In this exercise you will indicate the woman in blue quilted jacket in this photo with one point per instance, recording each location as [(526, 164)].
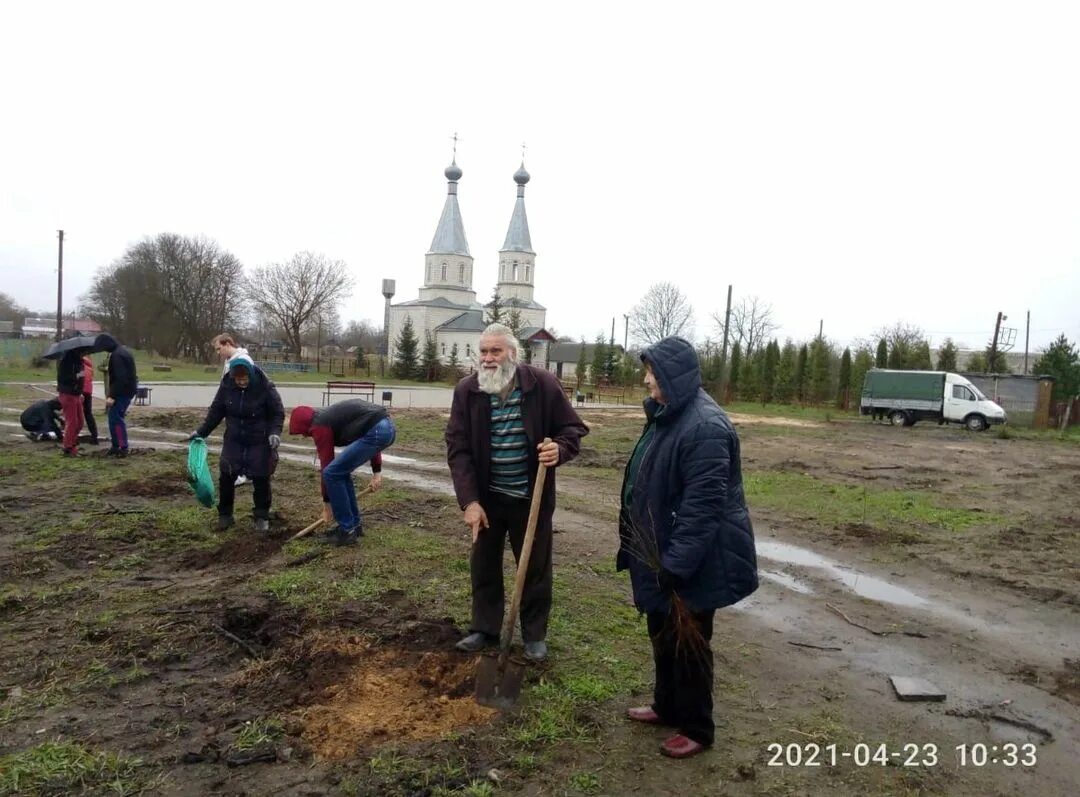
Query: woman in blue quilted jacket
[(684, 531)]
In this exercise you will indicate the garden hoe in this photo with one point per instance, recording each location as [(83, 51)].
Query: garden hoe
[(498, 679)]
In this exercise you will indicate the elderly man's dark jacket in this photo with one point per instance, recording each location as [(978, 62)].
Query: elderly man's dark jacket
[(547, 413), (688, 495)]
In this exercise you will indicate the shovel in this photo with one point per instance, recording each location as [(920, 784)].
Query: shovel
[(498, 679)]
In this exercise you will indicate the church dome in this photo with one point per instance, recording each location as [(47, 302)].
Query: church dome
[(453, 172), (521, 176)]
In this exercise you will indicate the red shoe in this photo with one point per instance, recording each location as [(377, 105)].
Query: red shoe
[(679, 746), (644, 714)]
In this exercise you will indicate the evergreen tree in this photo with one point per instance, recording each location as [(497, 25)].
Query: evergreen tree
[(1061, 361), (495, 314), (514, 320), (785, 374), (843, 393), (582, 366), (599, 359), (977, 363), (996, 362), (407, 355), (898, 355), (768, 372), (818, 382), (454, 366), (750, 377), (946, 358), (921, 360), (801, 377), (430, 367), (864, 361), (734, 371), (882, 359)]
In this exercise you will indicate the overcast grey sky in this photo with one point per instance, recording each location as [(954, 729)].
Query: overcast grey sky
[(857, 162)]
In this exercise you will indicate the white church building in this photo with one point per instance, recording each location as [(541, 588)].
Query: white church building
[(447, 305)]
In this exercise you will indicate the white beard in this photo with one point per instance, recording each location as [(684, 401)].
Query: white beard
[(496, 380)]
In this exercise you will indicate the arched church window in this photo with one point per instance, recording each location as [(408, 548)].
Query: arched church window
[(460, 275), (526, 273), (443, 278), (468, 350), (444, 349), (515, 270)]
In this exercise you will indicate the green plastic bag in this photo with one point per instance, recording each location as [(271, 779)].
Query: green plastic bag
[(199, 472)]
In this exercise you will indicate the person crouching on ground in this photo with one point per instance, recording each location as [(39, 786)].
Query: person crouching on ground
[(254, 415), (499, 418), (42, 421), (685, 535), (69, 378), (363, 430)]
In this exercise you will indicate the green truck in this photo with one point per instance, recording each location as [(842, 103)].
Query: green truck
[(906, 397)]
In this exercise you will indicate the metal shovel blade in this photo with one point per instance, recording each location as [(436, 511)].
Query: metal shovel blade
[(495, 687)]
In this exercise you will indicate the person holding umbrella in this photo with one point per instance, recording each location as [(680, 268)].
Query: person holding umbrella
[(69, 379), (69, 389)]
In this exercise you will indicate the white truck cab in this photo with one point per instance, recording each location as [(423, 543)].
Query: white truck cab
[(964, 403)]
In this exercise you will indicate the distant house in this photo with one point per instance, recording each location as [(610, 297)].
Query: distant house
[(563, 359), (46, 327)]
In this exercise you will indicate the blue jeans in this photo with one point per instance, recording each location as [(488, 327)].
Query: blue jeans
[(117, 427), (338, 474)]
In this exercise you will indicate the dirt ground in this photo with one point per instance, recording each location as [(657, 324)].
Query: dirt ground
[(923, 552)]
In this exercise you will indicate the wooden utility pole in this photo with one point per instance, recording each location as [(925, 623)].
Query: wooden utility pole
[(990, 366), (821, 328), (1027, 340), (626, 332), (60, 288), (723, 348)]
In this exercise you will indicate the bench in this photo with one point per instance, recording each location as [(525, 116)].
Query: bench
[(143, 395), (346, 388), (299, 368)]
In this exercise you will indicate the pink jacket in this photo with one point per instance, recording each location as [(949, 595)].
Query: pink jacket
[(88, 376)]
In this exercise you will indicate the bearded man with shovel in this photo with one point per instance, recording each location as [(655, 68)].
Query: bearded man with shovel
[(495, 442)]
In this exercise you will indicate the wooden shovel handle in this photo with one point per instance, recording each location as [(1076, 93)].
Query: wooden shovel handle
[(523, 561), (308, 529)]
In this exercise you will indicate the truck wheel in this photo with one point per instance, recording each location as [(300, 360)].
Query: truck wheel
[(975, 423), (898, 418)]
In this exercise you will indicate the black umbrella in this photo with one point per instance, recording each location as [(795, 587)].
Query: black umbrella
[(62, 347)]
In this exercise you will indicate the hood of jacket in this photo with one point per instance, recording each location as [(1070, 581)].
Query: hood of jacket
[(674, 363), (300, 420), (244, 361)]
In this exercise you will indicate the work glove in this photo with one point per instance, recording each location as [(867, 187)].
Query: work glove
[(668, 581), (192, 436), (275, 441)]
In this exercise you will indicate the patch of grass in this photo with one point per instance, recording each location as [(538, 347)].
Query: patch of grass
[(585, 782), (314, 588), (258, 732), (57, 769), (802, 496)]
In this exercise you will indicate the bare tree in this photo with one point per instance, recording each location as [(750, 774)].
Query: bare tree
[(752, 324), (294, 293), (662, 312), (170, 294)]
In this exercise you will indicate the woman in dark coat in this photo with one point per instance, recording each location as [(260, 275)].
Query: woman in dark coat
[(684, 530), (254, 415)]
